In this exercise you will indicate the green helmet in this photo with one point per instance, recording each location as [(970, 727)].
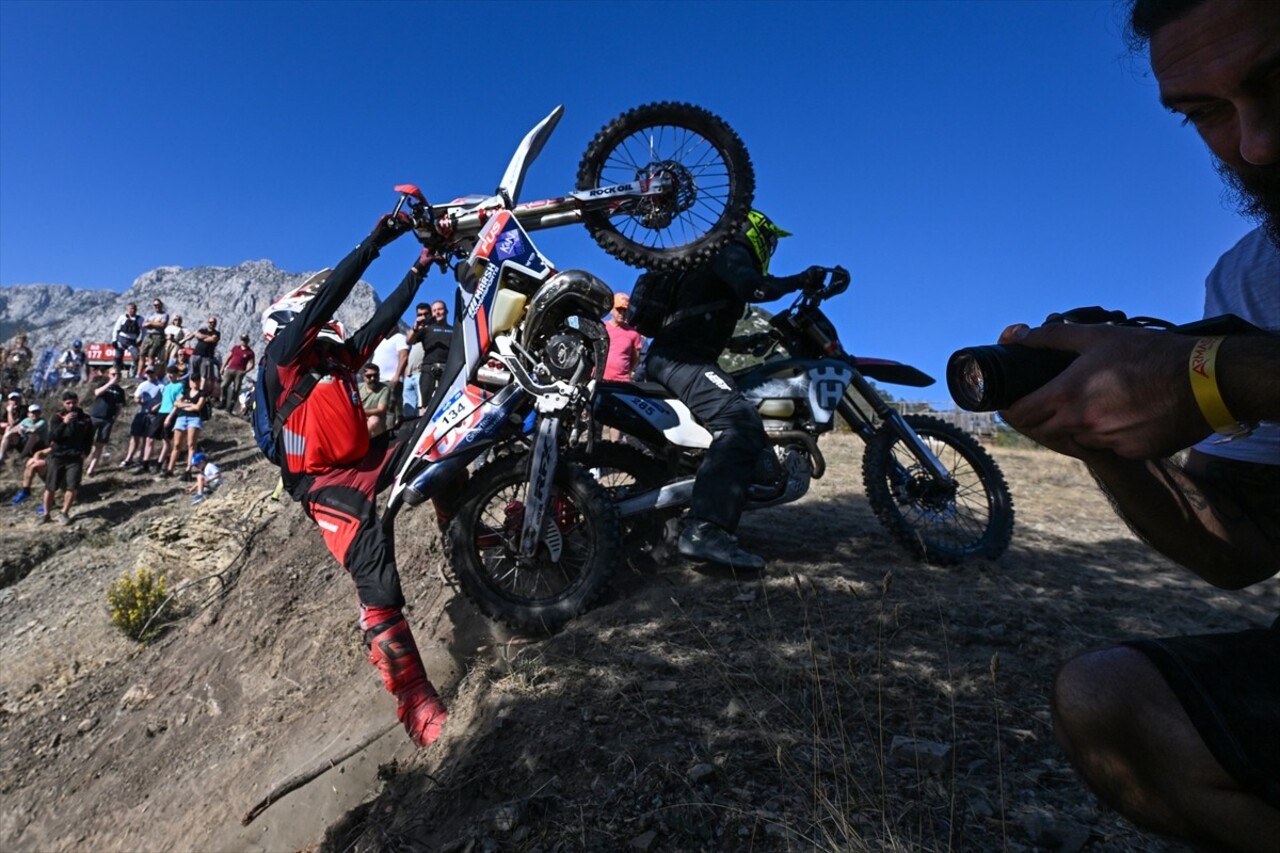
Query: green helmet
[(763, 236)]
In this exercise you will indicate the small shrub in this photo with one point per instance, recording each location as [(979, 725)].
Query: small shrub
[(136, 601)]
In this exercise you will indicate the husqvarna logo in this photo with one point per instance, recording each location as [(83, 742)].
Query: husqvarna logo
[(827, 385)]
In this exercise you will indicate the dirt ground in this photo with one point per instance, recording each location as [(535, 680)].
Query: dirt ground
[(849, 699)]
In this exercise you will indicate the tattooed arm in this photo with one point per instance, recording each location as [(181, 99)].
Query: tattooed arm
[(1218, 517)]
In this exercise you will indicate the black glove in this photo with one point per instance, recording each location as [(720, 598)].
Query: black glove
[(389, 227), (426, 258), (813, 278)]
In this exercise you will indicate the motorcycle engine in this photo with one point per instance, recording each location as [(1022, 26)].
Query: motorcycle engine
[(797, 469), (562, 355)]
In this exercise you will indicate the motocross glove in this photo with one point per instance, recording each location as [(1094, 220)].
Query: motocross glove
[(813, 278), (426, 258), (389, 227)]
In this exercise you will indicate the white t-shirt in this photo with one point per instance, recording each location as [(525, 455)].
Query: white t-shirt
[(1246, 282), (387, 355), (148, 393), (212, 474)]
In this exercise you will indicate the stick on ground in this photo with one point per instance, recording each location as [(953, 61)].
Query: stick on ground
[(294, 782)]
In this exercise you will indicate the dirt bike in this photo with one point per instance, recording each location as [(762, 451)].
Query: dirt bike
[(932, 486), (531, 528), (662, 186), (935, 489)]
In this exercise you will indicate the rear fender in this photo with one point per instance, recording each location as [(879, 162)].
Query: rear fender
[(893, 372)]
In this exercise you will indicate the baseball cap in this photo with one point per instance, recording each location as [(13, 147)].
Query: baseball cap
[(621, 300), (34, 407), (198, 459)]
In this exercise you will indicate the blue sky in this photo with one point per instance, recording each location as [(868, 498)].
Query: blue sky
[(972, 164)]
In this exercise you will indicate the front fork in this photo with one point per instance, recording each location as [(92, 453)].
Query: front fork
[(542, 469), (894, 421)]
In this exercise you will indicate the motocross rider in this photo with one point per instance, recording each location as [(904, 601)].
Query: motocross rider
[(708, 304), (335, 469)]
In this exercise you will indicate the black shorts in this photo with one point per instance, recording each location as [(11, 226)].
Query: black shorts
[(63, 473), (102, 430), (155, 427), (1229, 685), (140, 426)]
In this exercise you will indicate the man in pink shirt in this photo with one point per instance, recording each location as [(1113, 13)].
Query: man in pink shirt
[(624, 343)]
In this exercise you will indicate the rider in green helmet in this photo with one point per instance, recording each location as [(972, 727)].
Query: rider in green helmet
[(683, 358), (763, 235)]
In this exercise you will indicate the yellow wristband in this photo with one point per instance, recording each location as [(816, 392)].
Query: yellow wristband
[(1204, 386)]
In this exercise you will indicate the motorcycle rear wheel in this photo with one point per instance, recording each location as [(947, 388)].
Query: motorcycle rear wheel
[(625, 471), (940, 523), (541, 595), (714, 184)]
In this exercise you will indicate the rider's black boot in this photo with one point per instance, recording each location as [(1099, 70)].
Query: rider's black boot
[(702, 540)]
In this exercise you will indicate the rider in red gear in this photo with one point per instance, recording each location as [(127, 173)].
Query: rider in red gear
[(335, 470)]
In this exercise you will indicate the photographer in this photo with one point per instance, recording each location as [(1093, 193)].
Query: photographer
[(431, 329), (1182, 734)]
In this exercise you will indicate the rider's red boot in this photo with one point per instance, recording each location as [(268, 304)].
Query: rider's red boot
[(393, 651)]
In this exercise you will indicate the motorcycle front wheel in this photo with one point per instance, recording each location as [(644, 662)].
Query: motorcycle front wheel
[(540, 594), (941, 522), (711, 180)]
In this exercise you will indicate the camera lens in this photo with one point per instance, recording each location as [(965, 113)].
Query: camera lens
[(984, 379)]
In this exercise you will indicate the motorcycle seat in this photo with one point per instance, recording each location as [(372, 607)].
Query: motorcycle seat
[(644, 389)]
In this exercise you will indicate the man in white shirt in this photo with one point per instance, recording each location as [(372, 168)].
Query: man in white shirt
[(392, 358)]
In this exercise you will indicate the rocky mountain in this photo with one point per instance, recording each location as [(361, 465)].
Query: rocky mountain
[(54, 314)]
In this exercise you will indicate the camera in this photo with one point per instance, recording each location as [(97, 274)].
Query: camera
[(984, 379), (988, 378)]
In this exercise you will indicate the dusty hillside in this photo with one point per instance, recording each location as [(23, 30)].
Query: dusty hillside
[(688, 712)]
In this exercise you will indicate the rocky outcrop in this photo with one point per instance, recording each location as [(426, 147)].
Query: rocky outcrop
[(54, 314)]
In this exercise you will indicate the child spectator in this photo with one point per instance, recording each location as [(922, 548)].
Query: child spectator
[(168, 399), (208, 477)]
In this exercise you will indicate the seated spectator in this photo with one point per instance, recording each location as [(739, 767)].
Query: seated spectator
[(72, 364), (208, 477), (14, 410), (35, 467), (375, 399), (30, 434)]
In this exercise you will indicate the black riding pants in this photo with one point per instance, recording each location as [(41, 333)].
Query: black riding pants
[(720, 491)]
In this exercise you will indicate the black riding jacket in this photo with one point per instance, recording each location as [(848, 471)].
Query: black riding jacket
[(711, 299)]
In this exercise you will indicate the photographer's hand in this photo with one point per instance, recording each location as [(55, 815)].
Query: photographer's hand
[(1127, 394)]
